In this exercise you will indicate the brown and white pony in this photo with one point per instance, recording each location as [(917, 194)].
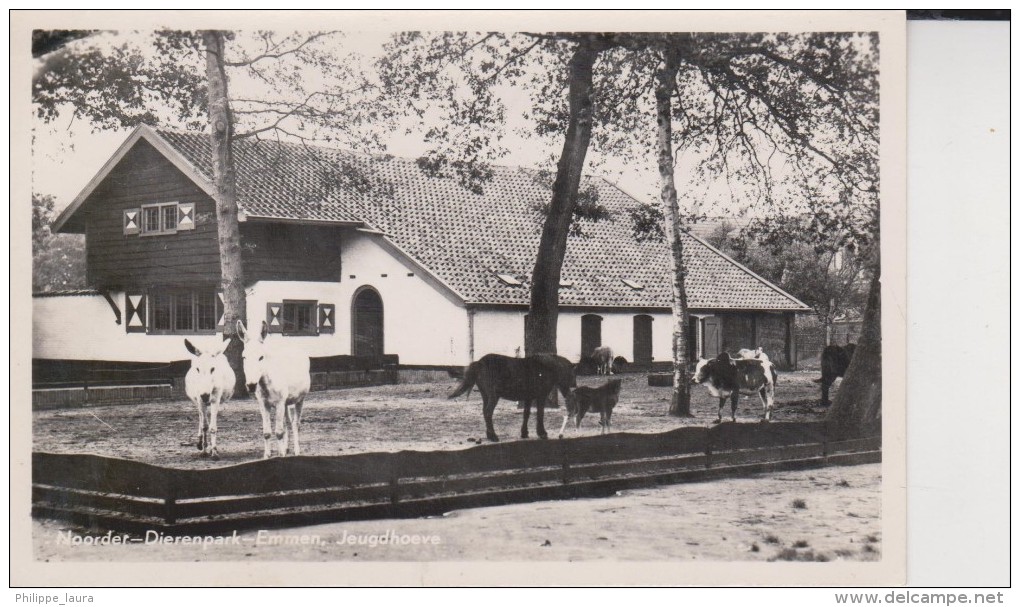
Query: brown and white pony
[(279, 379)]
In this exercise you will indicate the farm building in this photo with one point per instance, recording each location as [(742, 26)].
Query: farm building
[(356, 256)]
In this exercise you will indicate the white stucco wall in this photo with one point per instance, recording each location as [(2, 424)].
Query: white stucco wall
[(324, 344), (420, 323), (84, 328), (502, 331)]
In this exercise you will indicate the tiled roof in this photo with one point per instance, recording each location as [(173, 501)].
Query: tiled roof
[(467, 239)]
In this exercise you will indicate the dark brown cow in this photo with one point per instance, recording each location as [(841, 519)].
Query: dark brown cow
[(835, 362)]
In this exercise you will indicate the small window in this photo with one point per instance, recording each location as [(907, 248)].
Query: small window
[(509, 280), (632, 284), (159, 219), (300, 318)]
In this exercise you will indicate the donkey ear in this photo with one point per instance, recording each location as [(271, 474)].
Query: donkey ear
[(241, 332), (191, 348), (265, 329)]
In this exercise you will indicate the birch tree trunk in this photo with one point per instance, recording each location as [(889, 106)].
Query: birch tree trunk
[(857, 408), (680, 402), (225, 181), (540, 330)]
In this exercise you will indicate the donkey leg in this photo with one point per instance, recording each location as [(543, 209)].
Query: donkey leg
[(214, 409), (280, 425), (205, 440), (201, 427), (267, 429), (527, 415), (488, 406), (722, 403), (734, 399), (295, 421)]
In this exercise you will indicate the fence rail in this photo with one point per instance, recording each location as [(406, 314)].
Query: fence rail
[(109, 493)]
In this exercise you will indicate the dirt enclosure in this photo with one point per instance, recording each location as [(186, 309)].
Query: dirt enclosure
[(380, 418), (829, 514)]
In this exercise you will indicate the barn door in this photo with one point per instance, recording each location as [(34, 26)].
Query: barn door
[(591, 333), (643, 339), (367, 324), (712, 336)]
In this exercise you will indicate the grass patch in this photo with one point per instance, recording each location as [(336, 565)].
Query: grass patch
[(843, 483), (755, 547), (799, 504), (800, 544), (789, 554), (872, 538), (771, 539)]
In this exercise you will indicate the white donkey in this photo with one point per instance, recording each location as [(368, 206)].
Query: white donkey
[(280, 380), (209, 382)]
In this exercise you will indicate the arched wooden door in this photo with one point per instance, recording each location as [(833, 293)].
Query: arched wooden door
[(591, 333), (367, 323), (642, 339)]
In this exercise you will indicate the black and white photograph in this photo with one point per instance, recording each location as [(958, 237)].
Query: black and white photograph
[(574, 288)]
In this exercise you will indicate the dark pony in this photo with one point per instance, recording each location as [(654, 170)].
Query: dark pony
[(529, 379)]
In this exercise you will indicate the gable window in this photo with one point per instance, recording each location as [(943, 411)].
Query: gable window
[(159, 218), (162, 218), (174, 311), (299, 317)]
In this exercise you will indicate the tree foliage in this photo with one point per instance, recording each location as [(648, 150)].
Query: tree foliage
[(833, 282), (58, 260)]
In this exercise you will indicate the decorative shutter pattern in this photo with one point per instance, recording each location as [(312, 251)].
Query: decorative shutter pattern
[(274, 317), (327, 318), (220, 310), (185, 216), (135, 313), (132, 221)]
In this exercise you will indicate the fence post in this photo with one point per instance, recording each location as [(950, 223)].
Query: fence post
[(395, 478), (170, 498), (708, 451), (564, 463)]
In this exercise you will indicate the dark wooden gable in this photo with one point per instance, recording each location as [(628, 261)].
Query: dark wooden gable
[(118, 255), (121, 255)]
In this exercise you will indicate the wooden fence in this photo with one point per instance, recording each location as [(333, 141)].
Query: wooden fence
[(107, 493)]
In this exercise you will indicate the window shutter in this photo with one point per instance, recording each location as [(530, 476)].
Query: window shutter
[(185, 216), (135, 312), (220, 310), (132, 221), (274, 317), (327, 318)]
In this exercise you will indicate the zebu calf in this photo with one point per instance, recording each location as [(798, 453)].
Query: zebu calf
[(728, 378), (209, 382), (279, 380)]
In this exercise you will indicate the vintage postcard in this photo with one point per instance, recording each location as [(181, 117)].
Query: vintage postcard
[(458, 298)]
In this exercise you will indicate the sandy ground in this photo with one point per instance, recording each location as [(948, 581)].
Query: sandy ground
[(382, 418), (828, 514)]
